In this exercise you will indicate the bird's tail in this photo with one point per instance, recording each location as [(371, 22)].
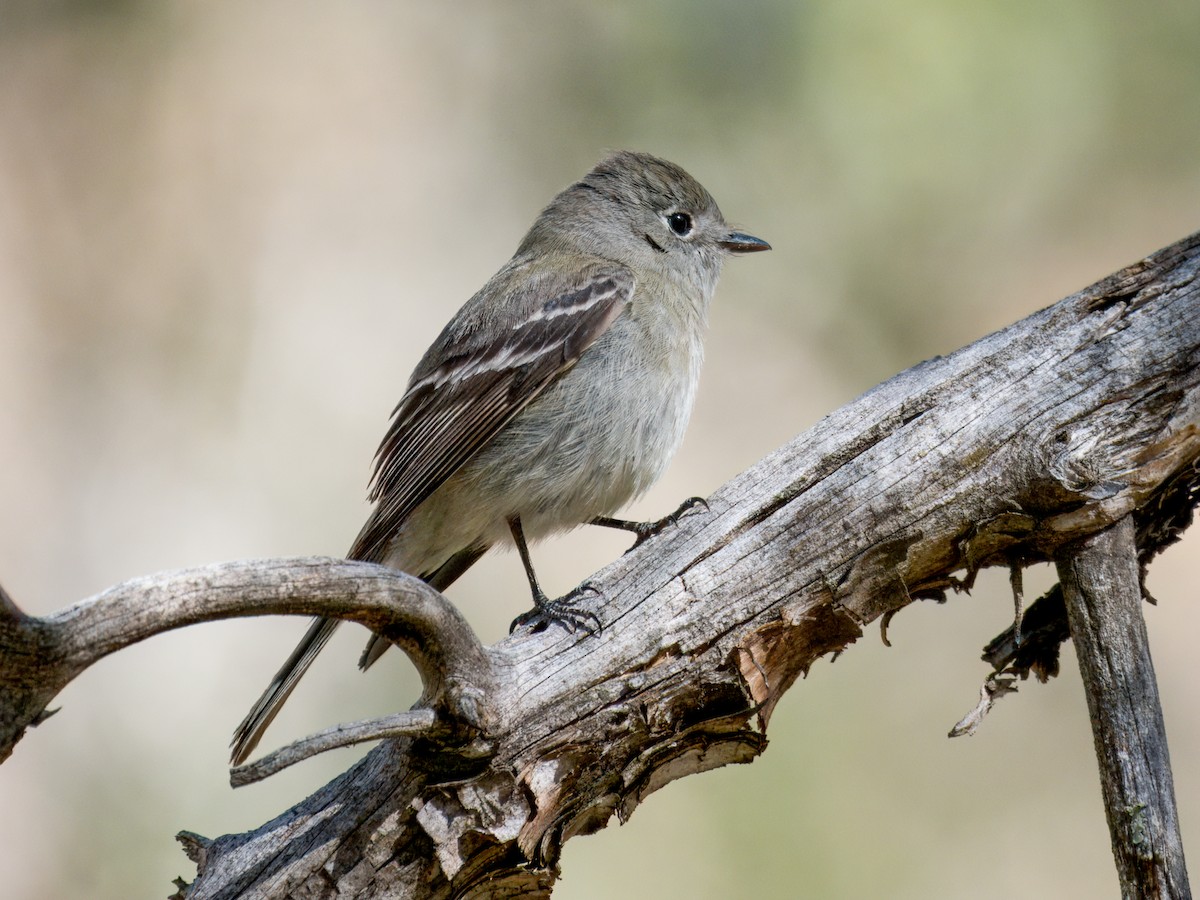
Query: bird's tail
[(248, 734)]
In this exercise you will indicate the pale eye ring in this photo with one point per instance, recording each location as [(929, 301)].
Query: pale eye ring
[(680, 223)]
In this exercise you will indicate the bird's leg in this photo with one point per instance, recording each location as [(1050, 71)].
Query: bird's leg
[(645, 530), (545, 611), (518, 535)]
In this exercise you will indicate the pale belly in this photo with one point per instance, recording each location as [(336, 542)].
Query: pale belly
[(591, 442)]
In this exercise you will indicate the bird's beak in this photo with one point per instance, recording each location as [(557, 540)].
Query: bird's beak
[(737, 242)]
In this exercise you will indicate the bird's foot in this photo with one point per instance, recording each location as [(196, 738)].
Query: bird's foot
[(566, 611), (646, 530)]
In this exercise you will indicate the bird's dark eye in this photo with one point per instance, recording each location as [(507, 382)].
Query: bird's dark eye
[(680, 223)]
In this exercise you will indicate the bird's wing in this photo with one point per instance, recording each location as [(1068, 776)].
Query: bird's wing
[(467, 389), (468, 386)]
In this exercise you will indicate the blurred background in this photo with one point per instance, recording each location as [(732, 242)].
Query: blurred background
[(228, 231)]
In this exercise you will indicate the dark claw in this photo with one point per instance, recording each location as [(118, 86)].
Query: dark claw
[(564, 611), (649, 529), (645, 530), (687, 506)]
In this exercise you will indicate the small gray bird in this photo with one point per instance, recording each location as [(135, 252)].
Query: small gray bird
[(554, 396)]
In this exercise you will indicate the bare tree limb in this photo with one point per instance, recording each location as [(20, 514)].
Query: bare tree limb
[(1009, 449), (1102, 587), (1158, 525), (1003, 453), (40, 656), (413, 722)]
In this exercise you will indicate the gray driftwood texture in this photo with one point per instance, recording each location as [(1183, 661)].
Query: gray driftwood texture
[(1101, 584), (1010, 451)]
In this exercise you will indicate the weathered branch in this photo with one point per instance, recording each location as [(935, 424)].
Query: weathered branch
[(413, 722), (1043, 629), (40, 656), (1003, 453), (1008, 450), (1101, 583)]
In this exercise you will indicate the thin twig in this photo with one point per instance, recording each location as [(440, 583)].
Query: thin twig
[(397, 725), (1017, 581)]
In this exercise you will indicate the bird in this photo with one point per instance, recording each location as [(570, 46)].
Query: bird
[(556, 394)]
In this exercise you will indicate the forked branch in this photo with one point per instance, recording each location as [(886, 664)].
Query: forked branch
[(40, 656), (1001, 454)]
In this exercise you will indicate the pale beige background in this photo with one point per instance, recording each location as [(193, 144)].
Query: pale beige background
[(227, 232)]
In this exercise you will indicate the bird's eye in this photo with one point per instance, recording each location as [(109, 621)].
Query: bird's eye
[(680, 223)]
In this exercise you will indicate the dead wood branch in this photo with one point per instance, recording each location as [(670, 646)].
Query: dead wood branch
[(1102, 587), (40, 656), (1001, 454)]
